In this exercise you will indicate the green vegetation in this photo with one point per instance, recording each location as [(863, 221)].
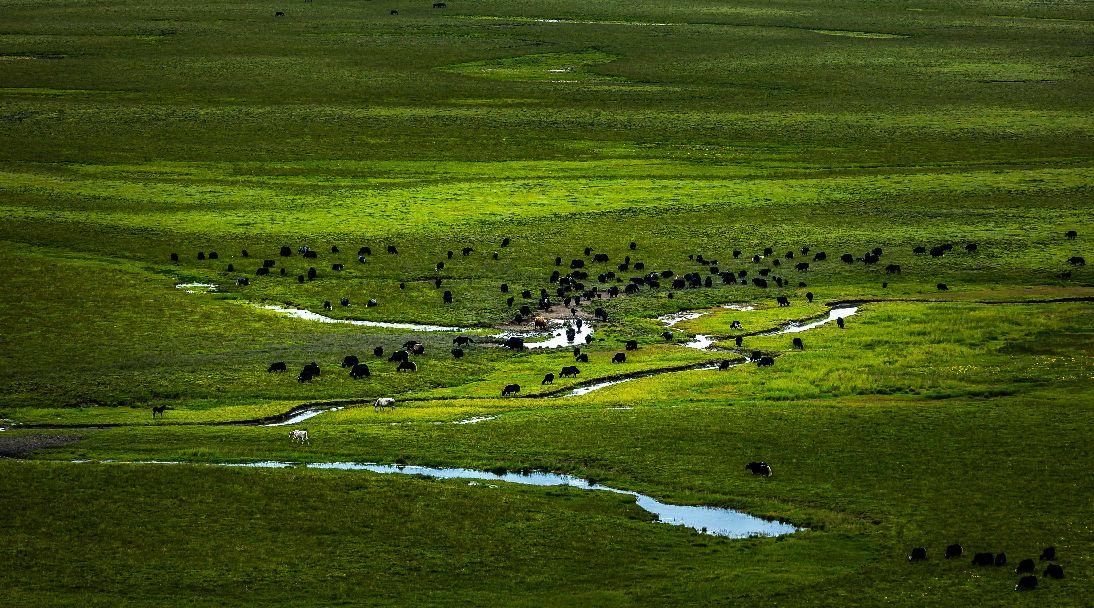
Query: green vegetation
[(130, 131)]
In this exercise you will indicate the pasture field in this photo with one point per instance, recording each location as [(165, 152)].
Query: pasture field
[(955, 405)]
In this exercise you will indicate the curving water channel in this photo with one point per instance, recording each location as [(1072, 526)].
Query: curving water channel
[(556, 337), (715, 521), (307, 315), (304, 415), (793, 328), (706, 342)]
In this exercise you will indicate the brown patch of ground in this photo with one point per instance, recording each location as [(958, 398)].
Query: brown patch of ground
[(13, 446)]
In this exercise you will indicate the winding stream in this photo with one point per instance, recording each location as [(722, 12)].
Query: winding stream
[(715, 521), (706, 342)]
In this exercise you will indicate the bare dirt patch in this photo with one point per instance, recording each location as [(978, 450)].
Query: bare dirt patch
[(13, 446)]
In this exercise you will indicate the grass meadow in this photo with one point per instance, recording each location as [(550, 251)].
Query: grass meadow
[(694, 129)]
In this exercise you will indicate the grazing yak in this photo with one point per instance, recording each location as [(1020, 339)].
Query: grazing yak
[(462, 340), (262, 271), (1001, 559), (548, 379), (160, 409), (798, 344), (214, 255), (312, 273), (286, 251), (725, 364), (847, 258), (279, 14), (570, 371), (802, 266), (971, 247), (344, 301), (1048, 554), (783, 301), (243, 281), (942, 287), (983, 559), (758, 282), (759, 468), (619, 358), (667, 335), (581, 358), (457, 353), (1025, 566), (175, 257), (739, 340), (1071, 234), (765, 361), (337, 267), (372, 303), (399, 356), (378, 351), (407, 366), (820, 256), (359, 370), (540, 323), (383, 403), (808, 296), (447, 297), (893, 269), (631, 345), (327, 305), (510, 389), (1077, 260), (350, 361), (277, 366), (954, 550), (1026, 583), (840, 323), (633, 245), (514, 343), (918, 554), (1055, 571), (366, 250), (392, 249)]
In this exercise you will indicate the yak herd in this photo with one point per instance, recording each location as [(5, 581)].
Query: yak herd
[(575, 287), (1026, 569)]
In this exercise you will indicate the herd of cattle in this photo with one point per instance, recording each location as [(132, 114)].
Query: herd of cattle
[(1026, 567), (574, 287)]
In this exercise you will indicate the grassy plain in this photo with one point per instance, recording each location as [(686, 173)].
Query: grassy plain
[(131, 130)]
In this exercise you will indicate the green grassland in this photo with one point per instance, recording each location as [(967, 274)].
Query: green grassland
[(133, 130)]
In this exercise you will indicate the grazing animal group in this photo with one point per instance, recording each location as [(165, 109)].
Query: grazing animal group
[(1026, 567)]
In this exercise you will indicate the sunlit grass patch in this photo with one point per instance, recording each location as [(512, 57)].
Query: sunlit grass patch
[(554, 67), (852, 34)]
